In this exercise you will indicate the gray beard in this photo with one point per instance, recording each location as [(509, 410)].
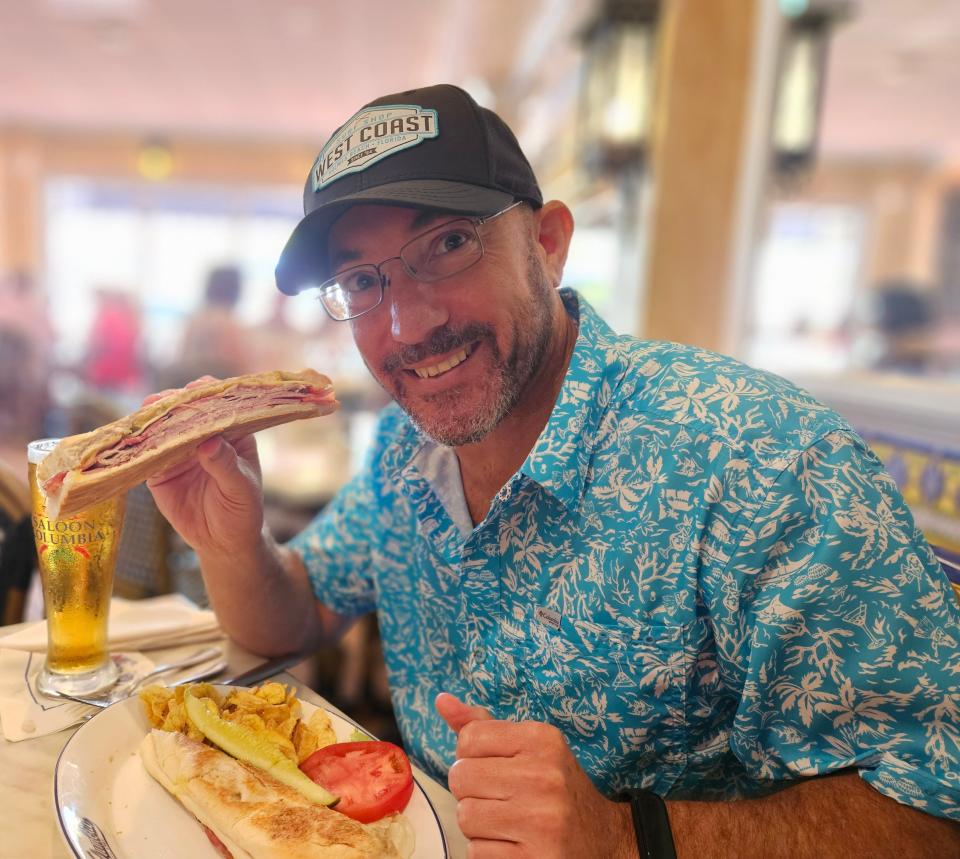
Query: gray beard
[(511, 374)]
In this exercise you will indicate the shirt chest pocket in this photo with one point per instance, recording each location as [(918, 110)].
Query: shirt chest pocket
[(617, 695)]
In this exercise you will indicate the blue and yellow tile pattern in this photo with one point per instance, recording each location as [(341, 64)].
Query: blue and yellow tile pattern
[(929, 479)]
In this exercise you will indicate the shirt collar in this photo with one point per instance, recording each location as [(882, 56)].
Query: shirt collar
[(561, 457)]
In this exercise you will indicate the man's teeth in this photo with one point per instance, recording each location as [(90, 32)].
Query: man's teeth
[(443, 366)]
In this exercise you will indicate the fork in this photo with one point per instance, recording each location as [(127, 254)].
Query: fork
[(120, 693), (197, 658), (103, 703)]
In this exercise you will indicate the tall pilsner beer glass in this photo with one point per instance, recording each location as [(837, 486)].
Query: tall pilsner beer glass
[(77, 556)]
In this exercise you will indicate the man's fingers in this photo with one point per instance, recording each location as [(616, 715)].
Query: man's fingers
[(484, 848), (457, 714), (508, 778), (509, 739), (203, 380), (159, 395), (210, 446), (170, 474), (218, 458), (496, 819), (480, 778)]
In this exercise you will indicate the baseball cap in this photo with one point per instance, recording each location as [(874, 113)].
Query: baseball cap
[(430, 148)]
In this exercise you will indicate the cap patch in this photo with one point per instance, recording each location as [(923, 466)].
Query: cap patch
[(370, 135)]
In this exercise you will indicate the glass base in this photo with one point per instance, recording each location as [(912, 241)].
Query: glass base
[(85, 683)]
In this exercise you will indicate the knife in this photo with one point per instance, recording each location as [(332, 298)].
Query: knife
[(265, 670)]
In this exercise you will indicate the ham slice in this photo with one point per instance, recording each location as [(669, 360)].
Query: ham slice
[(241, 401)]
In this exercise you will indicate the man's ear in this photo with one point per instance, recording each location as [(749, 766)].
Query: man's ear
[(554, 229)]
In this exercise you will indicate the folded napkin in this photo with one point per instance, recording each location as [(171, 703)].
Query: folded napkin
[(147, 624), (25, 713)]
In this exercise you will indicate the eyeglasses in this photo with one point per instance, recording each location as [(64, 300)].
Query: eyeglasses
[(438, 253)]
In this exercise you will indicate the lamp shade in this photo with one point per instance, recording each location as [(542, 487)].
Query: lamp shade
[(617, 87)]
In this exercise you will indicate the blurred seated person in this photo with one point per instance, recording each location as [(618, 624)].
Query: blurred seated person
[(26, 341), (214, 342), (16, 545), (901, 314), (17, 409), (276, 344), (113, 363)]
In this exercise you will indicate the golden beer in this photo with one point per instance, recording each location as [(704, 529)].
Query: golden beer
[(76, 557)]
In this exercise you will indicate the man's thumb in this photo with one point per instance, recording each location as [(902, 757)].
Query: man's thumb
[(219, 459), (456, 714)]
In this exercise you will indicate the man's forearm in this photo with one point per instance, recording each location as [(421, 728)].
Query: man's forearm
[(837, 816), (263, 599)]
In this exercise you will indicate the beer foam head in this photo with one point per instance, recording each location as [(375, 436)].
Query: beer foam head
[(38, 450), (432, 148)]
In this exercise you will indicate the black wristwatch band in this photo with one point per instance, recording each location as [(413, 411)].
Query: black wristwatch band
[(650, 823)]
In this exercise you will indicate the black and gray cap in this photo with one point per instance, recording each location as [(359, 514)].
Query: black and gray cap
[(430, 148)]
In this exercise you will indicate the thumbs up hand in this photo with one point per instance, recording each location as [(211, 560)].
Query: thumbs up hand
[(521, 792)]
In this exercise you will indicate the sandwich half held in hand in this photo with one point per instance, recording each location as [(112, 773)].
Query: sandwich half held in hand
[(256, 817), (83, 470)]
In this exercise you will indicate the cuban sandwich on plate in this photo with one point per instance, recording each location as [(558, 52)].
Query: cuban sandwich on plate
[(254, 816)]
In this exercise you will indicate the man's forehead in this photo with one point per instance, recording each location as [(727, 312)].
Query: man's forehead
[(345, 238), (371, 215)]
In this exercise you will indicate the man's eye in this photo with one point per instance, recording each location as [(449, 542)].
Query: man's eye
[(450, 242), (358, 281)]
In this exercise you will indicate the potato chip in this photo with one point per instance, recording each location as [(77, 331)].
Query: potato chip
[(272, 711), (319, 723), (287, 726), (276, 716), (241, 699), (304, 741), (281, 742), (156, 700), (175, 719), (200, 690), (248, 720), (273, 693)]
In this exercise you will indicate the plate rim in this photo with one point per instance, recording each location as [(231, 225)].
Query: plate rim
[(220, 686)]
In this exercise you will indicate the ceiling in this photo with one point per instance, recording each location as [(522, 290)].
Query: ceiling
[(894, 80), (295, 69)]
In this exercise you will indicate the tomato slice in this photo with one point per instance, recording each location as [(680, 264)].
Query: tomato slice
[(218, 845), (372, 778)]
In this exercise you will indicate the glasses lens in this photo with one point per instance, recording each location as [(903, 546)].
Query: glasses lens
[(352, 292), (445, 250)]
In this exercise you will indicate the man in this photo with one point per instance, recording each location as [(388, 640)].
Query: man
[(599, 564)]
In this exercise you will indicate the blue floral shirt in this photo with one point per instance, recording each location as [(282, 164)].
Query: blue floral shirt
[(700, 574)]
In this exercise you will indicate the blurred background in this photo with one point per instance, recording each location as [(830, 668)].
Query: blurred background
[(778, 180)]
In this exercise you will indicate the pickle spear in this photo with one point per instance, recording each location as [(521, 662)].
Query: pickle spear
[(244, 744)]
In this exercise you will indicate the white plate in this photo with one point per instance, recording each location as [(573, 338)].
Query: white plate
[(105, 800)]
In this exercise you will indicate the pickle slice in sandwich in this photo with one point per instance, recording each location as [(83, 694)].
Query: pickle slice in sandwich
[(244, 744)]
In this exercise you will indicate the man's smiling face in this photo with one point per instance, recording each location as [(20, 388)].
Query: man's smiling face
[(455, 354)]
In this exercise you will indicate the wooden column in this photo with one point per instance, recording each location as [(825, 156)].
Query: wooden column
[(20, 201), (701, 135)]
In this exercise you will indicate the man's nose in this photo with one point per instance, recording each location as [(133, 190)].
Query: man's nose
[(416, 308)]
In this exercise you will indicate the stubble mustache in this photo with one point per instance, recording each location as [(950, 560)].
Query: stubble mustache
[(442, 340)]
